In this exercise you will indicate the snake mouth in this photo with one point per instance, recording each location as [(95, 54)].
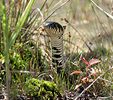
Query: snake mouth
[(53, 25)]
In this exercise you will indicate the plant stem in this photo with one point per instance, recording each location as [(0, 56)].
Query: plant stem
[(7, 71), (6, 45)]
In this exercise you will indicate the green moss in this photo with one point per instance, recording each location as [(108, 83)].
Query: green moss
[(41, 88)]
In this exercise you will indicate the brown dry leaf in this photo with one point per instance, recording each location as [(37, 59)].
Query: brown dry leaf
[(77, 72), (93, 62), (85, 80)]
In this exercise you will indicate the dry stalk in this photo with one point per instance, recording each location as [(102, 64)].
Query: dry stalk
[(102, 10)]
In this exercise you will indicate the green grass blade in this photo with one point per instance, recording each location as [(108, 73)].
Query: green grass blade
[(21, 22), (4, 21), (6, 44)]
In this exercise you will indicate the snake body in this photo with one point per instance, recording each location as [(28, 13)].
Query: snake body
[(55, 31)]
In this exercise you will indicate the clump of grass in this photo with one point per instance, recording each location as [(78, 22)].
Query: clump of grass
[(10, 33)]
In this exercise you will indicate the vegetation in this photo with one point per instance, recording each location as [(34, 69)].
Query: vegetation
[(25, 62), (41, 89)]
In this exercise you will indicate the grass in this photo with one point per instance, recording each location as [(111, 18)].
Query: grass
[(25, 48), (9, 40)]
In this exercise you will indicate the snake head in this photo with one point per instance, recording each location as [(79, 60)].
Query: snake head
[(53, 29)]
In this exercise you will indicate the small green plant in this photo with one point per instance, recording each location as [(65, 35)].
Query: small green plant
[(45, 90), (9, 36)]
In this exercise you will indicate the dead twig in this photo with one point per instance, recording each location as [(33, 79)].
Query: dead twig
[(82, 38), (56, 10)]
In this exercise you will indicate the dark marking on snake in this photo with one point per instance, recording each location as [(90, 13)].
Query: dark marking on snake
[(57, 56), (54, 25), (57, 50)]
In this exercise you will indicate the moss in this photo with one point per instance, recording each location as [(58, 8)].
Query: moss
[(41, 88)]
